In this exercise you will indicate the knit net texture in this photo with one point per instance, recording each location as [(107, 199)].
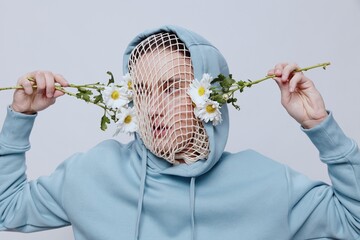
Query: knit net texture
[(161, 71)]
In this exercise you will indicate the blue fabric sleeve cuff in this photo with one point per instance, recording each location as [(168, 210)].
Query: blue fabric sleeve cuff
[(16, 130), (329, 139)]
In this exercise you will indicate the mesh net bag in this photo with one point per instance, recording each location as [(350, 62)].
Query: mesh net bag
[(161, 71)]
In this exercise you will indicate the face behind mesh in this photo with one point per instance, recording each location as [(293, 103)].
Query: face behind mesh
[(161, 71)]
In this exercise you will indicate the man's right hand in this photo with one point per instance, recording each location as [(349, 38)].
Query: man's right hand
[(30, 99)]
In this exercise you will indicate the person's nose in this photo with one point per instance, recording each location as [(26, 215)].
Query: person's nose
[(156, 105)]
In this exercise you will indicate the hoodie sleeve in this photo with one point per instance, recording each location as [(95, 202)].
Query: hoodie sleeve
[(320, 211), (26, 206)]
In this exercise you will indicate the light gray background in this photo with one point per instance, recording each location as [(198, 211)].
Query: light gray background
[(84, 39)]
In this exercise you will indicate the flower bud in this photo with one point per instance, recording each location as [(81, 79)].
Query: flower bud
[(225, 96)]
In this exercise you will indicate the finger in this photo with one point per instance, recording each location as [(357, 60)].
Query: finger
[(278, 82), (26, 84), (26, 77), (288, 71), (61, 80), (295, 81), (40, 82), (284, 90), (50, 84), (279, 69), (271, 72), (58, 93), (282, 85)]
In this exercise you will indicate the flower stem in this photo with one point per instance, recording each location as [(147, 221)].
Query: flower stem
[(90, 93), (323, 65), (61, 89), (96, 86), (250, 83), (11, 88)]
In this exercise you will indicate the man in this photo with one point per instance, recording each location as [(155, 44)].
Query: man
[(174, 181)]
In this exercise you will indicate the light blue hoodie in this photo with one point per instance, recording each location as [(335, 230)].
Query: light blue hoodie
[(122, 191)]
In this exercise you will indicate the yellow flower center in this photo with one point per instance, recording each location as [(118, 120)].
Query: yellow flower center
[(201, 91), (128, 119), (129, 84), (210, 108), (115, 95)]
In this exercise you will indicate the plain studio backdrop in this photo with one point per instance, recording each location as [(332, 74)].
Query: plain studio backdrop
[(83, 39)]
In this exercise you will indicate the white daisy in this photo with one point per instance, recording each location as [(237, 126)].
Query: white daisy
[(126, 83), (115, 97), (200, 90), (127, 121), (210, 111)]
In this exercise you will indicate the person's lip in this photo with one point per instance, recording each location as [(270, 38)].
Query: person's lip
[(159, 130)]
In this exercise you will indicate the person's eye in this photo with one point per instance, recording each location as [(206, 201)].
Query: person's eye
[(173, 87), (140, 88), (170, 89)]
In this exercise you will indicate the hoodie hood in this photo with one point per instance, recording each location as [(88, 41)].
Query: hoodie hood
[(205, 59)]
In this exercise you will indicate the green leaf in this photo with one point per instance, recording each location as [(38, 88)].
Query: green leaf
[(98, 99), (104, 122), (227, 83), (113, 117), (85, 91), (84, 94), (219, 78), (213, 89), (111, 80), (225, 89), (241, 83), (218, 98), (231, 100), (86, 98), (237, 107)]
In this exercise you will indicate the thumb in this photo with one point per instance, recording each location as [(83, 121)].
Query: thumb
[(58, 93)]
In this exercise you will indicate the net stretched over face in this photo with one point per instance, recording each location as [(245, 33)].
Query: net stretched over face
[(161, 71)]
